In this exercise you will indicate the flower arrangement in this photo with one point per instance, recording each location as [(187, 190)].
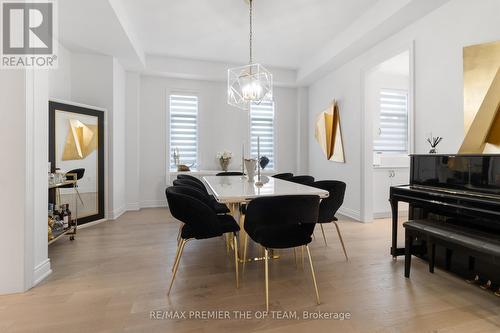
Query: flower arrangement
[(224, 159), (434, 141)]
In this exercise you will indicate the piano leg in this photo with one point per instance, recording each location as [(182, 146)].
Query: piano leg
[(408, 245), (472, 263), (431, 253), (394, 247), (448, 259)]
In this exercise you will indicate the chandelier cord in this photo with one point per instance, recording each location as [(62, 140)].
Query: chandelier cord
[(251, 32)]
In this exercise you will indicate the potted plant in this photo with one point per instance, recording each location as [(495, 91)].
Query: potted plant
[(224, 159)]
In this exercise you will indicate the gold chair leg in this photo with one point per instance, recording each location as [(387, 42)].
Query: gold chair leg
[(266, 273), (179, 234), (323, 232), (341, 240), (176, 265), (236, 263), (313, 275), (245, 248), (176, 255)]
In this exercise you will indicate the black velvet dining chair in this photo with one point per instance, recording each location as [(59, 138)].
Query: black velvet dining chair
[(230, 173), (217, 206), (329, 206), (200, 222), (304, 180), (282, 222), (284, 176), (192, 178)]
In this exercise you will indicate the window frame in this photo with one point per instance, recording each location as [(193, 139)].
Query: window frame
[(274, 132), (170, 166)]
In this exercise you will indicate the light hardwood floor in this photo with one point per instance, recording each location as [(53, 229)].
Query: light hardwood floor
[(115, 273)]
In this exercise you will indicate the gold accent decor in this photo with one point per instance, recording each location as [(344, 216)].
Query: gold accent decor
[(328, 133), (80, 142), (482, 98)]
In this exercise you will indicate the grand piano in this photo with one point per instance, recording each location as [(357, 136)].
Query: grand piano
[(457, 190)]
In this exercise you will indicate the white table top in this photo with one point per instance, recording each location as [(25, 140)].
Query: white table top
[(232, 189)]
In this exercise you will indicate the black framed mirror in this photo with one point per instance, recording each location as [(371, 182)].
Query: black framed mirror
[(76, 147)]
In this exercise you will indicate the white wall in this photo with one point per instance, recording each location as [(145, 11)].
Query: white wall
[(12, 179), (220, 127), (60, 78), (117, 139), (439, 38), (99, 81), (132, 121), (23, 179)]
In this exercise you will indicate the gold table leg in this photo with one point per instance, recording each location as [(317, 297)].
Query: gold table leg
[(266, 270)]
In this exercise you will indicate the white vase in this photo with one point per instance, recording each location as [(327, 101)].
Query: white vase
[(250, 165)]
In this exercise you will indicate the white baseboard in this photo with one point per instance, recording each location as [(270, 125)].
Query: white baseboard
[(384, 215), (153, 203), (116, 213), (353, 214), (41, 272), (133, 206)]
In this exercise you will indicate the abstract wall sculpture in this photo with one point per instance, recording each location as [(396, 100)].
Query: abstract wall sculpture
[(482, 99), (80, 142), (328, 133)]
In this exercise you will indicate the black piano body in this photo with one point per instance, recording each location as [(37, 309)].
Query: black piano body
[(461, 190)]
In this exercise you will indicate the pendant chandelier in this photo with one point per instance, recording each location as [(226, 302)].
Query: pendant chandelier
[(251, 83)]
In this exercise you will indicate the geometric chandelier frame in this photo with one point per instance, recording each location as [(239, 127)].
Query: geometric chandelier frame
[(249, 84)]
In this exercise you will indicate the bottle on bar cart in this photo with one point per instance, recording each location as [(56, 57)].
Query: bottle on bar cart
[(64, 215)]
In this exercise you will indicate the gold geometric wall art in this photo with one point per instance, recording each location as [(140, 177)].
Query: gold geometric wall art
[(482, 99), (81, 140), (328, 133)]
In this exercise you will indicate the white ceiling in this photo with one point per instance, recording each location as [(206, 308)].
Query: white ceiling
[(286, 32), (299, 40)]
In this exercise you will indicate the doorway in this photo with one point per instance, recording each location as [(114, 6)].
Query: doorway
[(388, 131)]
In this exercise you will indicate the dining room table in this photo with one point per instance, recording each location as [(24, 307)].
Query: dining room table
[(235, 191)]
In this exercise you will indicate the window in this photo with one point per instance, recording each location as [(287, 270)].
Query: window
[(393, 123), (183, 130), (262, 126)]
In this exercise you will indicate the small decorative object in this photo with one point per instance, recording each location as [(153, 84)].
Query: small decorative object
[(243, 160), (329, 135), (258, 182), (177, 157), (183, 167), (224, 159), (264, 161), (250, 165), (434, 141)]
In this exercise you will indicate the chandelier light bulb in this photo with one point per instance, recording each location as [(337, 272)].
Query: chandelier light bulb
[(252, 91)]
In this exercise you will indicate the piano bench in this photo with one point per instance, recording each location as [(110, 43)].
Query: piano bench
[(476, 243)]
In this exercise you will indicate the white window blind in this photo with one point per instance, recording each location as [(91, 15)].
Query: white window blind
[(393, 122), (262, 126), (183, 129)]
